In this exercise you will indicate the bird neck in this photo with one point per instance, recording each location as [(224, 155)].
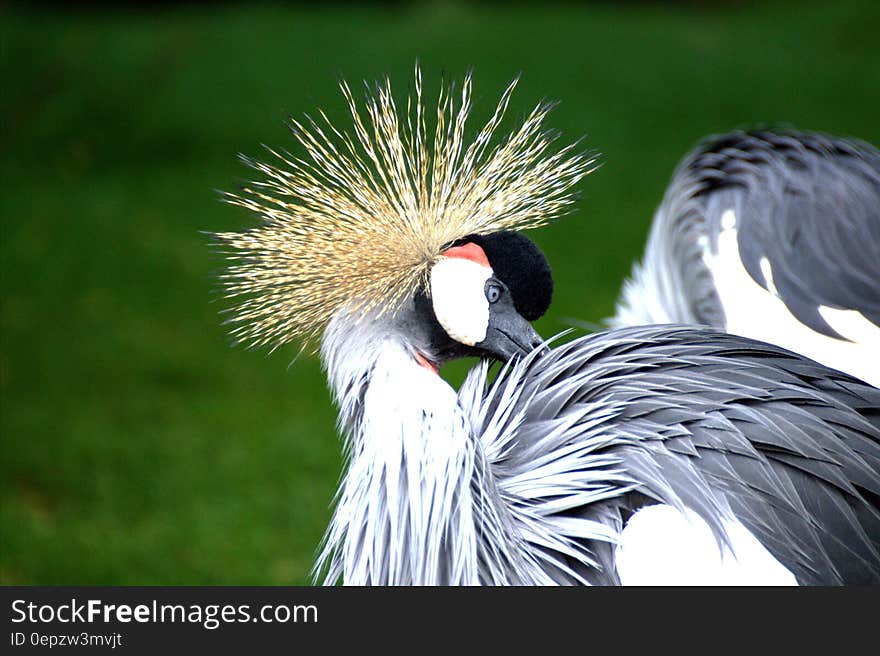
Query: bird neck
[(648, 295), (643, 299), (672, 283), (405, 511)]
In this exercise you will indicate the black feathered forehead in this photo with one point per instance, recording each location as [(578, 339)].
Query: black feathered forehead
[(518, 263)]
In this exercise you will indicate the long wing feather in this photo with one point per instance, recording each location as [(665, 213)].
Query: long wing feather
[(728, 427), (809, 204)]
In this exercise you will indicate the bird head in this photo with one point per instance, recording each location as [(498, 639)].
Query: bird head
[(391, 224), (482, 295)]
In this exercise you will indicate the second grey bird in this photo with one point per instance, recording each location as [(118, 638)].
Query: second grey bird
[(770, 234), (657, 454)]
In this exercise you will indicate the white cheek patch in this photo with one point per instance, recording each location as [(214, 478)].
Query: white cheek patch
[(459, 297)]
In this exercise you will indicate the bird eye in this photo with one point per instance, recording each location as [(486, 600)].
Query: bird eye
[(493, 292)]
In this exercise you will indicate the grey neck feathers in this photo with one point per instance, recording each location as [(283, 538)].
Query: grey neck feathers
[(672, 284), (415, 505)]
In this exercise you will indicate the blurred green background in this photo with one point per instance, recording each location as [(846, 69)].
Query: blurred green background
[(137, 446)]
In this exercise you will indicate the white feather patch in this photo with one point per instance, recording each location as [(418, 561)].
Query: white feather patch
[(660, 545), (405, 510), (459, 298), (752, 311)]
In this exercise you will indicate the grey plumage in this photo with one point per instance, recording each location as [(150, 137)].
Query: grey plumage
[(532, 478), (690, 417), (809, 203)]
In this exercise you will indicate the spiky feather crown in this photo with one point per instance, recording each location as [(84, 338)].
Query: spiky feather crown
[(359, 221)]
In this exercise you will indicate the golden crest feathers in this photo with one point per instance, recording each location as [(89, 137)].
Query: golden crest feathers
[(357, 221)]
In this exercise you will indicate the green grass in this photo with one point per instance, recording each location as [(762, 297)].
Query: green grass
[(137, 446)]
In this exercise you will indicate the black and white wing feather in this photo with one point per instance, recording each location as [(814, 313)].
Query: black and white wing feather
[(774, 235), (807, 203)]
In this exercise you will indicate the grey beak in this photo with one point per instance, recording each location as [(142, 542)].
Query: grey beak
[(509, 335)]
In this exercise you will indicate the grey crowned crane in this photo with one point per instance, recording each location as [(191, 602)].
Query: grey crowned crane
[(774, 235), (659, 454)]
